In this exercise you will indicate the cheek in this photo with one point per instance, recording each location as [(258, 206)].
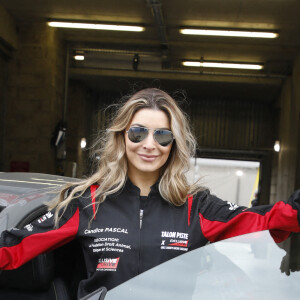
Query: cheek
[(130, 147), (127, 143), (127, 149), (166, 152)]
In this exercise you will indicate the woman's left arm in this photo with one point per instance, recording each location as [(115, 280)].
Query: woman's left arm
[(221, 219)]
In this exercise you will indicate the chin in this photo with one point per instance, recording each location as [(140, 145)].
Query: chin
[(148, 169)]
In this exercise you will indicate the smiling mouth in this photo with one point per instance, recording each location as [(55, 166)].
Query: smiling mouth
[(147, 157)]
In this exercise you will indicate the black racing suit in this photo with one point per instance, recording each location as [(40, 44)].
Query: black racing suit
[(116, 248)]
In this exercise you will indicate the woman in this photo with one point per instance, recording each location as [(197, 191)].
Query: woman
[(138, 209)]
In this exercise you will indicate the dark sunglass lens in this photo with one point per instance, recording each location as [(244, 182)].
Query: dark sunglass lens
[(137, 134), (163, 137)]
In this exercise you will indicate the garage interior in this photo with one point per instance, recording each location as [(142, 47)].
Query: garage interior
[(235, 113)]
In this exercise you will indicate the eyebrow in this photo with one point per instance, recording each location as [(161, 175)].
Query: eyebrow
[(139, 125)]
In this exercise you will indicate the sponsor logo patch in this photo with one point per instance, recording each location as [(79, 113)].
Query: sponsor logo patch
[(46, 216), (180, 244), (232, 206), (29, 227), (108, 264), (173, 240)]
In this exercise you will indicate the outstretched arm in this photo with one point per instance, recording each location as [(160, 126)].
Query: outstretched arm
[(18, 246), (220, 219)]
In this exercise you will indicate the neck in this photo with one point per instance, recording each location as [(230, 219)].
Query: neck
[(143, 181)]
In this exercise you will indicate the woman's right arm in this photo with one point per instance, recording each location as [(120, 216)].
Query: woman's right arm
[(18, 246)]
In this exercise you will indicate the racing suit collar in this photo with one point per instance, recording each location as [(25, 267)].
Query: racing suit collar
[(129, 186)]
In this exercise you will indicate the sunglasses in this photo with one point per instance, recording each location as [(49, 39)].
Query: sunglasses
[(162, 136)]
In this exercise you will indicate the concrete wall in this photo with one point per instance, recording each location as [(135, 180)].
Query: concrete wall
[(34, 98), (296, 84), (3, 80), (32, 101), (8, 34), (288, 160), (80, 115)]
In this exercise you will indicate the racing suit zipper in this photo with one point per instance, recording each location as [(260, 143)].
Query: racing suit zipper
[(141, 218), (141, 221), (142, 209)]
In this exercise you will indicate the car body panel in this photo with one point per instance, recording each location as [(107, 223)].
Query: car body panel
[(245, 267)]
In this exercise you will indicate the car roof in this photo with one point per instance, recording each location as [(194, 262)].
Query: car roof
[(25, 194), (33, 180)]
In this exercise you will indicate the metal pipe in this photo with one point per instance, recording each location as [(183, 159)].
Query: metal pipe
[(172, 71), (159, 19), (118, 51)]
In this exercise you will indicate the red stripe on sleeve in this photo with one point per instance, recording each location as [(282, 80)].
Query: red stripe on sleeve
[(190, 203), (282, 217), (35, 244), (279, 235), (93, 193)]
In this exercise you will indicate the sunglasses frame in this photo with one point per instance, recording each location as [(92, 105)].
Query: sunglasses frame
[(154, 130)]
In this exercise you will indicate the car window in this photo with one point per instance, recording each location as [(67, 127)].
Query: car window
[(252, 266)]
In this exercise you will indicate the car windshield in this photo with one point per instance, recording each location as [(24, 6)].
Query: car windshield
[(251, 266)]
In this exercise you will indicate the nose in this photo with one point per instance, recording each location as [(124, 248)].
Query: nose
[(149, 141)]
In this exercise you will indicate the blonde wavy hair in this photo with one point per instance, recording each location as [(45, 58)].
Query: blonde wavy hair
[(111, 173)]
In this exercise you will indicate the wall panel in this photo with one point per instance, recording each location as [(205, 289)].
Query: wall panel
[(225, 124)]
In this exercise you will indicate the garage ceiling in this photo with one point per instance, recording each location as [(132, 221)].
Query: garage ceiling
[(161, 48)]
